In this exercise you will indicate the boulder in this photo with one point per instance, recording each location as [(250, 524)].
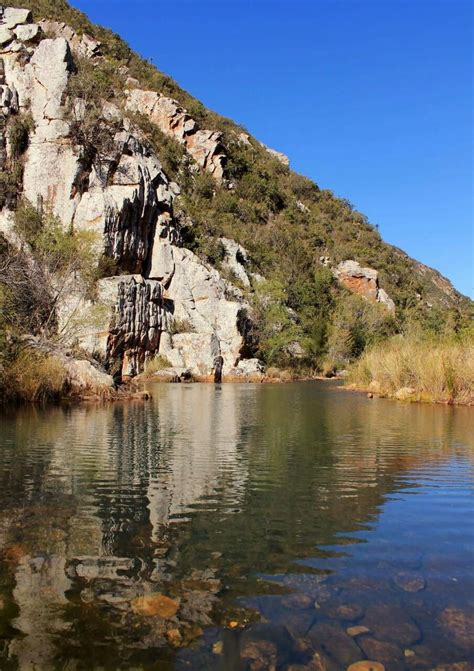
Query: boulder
[(404, 393), (13, 17), (362, 281), (82, 375), (27, 33), (6, 35)]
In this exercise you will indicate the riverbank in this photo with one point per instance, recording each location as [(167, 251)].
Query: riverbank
[(412, 369)]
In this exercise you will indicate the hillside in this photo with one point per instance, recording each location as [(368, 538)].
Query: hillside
[(139, 229)]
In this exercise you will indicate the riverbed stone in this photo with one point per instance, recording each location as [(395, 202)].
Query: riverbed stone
[(345, 611), (390, 622), (410, 581), (358, 630), (333, 640), (366, 665), (297, 601), (260, 654), (382, 651), (155, 604), (458, 624)]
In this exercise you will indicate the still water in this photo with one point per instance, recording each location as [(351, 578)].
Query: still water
[(237, 527)]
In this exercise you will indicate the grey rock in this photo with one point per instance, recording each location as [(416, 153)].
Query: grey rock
[(27, 33), (13, 17)]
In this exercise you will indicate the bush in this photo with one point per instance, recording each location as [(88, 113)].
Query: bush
[(34, 376), (54, 263), (19, 129)]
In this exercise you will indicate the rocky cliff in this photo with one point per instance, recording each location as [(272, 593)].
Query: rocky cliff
[(96, 161), (163, 298)]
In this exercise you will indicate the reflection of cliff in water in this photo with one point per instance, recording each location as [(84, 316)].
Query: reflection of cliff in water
[(258, 476)]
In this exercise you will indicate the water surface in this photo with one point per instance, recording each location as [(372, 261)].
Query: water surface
[(276, 517)]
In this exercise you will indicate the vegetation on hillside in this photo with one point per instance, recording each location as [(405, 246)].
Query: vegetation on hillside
[(301, 317), (46, 264)]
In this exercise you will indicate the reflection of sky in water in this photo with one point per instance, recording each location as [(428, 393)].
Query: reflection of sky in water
[(262, 479)]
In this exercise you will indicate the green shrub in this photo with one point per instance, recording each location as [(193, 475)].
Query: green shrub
[(19, 129)]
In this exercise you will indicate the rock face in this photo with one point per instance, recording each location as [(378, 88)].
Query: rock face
[(363, 281), (82, 45), (283, 158), (204, 146), (163, 298)]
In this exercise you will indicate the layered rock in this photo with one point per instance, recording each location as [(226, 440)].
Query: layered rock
[(204, 146), (135, 330), (363, 281)]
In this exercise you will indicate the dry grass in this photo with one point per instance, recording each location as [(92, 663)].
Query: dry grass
[(437, 371), (34, 376), (156, 364)]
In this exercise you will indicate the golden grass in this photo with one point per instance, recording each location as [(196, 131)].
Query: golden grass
[(34, 376), (437, 370)]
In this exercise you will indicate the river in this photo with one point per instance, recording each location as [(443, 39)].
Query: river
[(237, 527)]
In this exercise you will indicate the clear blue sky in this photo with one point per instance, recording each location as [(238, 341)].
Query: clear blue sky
[(372, 99)]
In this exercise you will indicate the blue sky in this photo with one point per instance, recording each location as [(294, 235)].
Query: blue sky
[(372, 99)]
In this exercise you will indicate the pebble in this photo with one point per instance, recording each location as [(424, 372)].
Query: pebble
[(366, 665), (357, 630), (218, 648), (174, 636)]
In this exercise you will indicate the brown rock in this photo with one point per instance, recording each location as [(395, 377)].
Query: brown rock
[(349, 611), (410, 581), (459, 625), (261, 653), (218, 648), (298, 601), (382, 651), (366, 665), (391, 623), (333, 640), (155, 605), (357, 631), (174, 637)]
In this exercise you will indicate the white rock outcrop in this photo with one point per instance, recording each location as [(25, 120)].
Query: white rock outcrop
[(164, 299), (204, 146)]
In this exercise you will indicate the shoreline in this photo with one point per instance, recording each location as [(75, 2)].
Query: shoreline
[(135, 390), (406, 395)]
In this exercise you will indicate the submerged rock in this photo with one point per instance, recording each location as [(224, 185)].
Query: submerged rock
[(459, 626), (391, 623), (410, 582), (155, 605), (366, 665)]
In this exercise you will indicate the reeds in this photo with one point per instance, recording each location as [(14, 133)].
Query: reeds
[(435, 370)]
